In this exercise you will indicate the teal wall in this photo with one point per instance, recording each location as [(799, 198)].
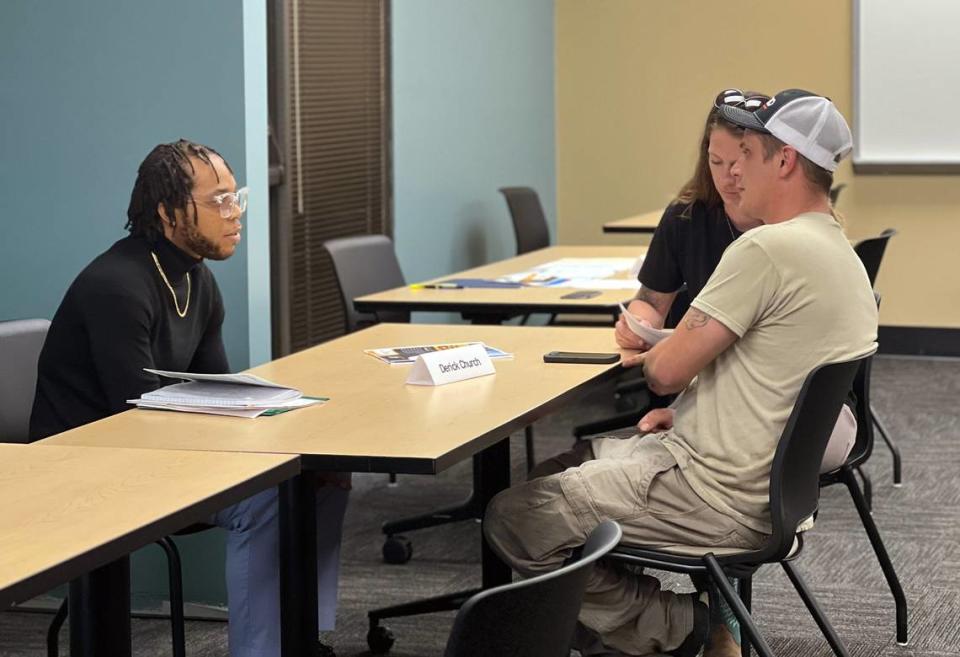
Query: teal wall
[(86, 90), (473, 110)]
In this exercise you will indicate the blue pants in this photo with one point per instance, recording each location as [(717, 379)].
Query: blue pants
[(253, 568)]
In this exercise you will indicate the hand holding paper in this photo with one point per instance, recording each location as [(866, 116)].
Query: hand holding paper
[(647, 333)]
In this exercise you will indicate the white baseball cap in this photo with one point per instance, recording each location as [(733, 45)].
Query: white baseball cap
[(801, 119)]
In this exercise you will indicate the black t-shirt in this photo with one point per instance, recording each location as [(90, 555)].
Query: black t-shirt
[(117, 318), (686, 248)]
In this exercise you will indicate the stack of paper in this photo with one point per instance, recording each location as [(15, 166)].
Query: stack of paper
[(238, 395)]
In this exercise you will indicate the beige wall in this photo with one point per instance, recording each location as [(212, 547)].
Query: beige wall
[(635, 79)]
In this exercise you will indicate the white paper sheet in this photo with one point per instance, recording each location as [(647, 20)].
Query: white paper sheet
[(646, 333)]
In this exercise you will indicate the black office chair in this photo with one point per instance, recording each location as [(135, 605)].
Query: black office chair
[(20, 345), (534, 617), (794, 493), (529, 221), (532, 233), (365, 264), (861, 451), (871, 252)]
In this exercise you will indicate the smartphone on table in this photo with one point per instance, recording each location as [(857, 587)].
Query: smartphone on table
[(580, 357)]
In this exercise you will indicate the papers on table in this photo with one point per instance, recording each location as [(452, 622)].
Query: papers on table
[(460, 283), (246, 379), (579, 273), (238, 395), (646, 333), (233, 411), (406, 355)]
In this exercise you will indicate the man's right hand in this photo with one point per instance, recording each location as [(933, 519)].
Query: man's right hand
[(627, 339), (659, 419)]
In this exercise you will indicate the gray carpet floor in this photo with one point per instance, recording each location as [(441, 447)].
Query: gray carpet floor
[(917, 399)]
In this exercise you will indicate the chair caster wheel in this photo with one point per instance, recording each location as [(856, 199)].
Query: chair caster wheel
[(397, 549), (380, 640)]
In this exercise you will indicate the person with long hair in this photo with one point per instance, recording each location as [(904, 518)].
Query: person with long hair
[(697, 226)]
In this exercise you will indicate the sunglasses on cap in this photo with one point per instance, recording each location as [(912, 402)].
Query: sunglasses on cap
[(737, 98)]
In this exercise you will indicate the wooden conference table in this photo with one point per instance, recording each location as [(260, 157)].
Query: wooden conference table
[(375, 423), (645, 223), (492, 305), (68, 511)]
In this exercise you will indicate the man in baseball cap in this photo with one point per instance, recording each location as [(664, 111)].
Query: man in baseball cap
[(785, 298), (806, 129)]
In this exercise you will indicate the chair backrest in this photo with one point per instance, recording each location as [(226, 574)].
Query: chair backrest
[(365, 264), (529, 222), (863, 445), (794, 474), (20, 344), (532, 618), (871, 252)]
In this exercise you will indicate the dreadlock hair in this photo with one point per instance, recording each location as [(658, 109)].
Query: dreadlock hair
[(165, 177)]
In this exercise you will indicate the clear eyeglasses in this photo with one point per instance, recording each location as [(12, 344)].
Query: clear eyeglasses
[(230, 202)]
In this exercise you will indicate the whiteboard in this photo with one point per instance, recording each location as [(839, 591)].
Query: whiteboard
[(906, 96)]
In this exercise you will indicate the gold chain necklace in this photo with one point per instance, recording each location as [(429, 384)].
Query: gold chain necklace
[(176, 305)]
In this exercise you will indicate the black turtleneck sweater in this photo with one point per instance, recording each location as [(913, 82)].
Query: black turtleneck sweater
[(117, 318)]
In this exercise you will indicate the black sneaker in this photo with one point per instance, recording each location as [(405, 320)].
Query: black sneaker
[(697, 638)]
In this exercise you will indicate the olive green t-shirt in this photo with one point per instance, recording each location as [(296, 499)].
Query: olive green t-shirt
[(797, 296)]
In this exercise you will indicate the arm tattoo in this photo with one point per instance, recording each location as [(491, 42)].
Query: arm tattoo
[(657, 300), (695, 319)]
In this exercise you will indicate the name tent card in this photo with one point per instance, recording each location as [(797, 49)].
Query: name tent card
[(451, 365)]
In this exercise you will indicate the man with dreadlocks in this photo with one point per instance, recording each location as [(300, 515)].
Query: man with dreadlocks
[(149, 301)]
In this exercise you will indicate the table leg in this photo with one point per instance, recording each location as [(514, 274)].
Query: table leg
[(100, 611), (298, 566), (494, 477)]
